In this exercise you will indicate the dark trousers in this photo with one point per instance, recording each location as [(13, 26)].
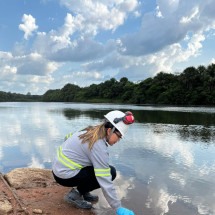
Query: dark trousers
[(85, 180)]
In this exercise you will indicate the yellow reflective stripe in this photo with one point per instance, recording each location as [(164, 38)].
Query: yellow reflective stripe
[(61, 155), (68, 135), (100, 175), (102, 172), (63, 162), (70, 161)]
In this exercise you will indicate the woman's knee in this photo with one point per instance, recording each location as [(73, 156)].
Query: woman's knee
[(113, 172)]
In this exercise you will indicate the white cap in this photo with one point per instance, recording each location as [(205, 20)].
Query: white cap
[(120, 126)]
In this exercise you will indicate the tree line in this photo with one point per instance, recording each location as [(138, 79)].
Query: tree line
[(17, 97), (194, 86)]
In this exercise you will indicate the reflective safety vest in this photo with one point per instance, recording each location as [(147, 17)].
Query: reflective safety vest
[(73, 165), (66, 161)]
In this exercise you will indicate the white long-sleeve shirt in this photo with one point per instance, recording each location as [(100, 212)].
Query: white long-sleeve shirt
[(98, 157)]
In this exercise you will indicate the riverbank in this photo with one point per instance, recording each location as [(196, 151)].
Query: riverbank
[(28, 191)]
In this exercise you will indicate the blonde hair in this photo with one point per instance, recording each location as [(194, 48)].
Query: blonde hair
[(93, 133)]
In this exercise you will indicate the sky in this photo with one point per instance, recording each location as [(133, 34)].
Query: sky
[(45, 44)]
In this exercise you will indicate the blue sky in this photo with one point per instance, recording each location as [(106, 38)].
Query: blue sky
[(45, 44)]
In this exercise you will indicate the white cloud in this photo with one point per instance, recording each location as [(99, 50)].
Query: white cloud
[(163, 201), (35, 163), (27, 83), (192, 16), (71, 25), (179, 19), (5, 56), (28, 26), (171, 33), (158, 12), (146, 66), (122, 186), (81, 50), (26, 73), (101, 15), (8, 70), (81, 78), (212, 61), (113, 61), (40, 79), (167, 7), (34, 64), (155, 34), (167, 58), (208, 12), (94, 75), (28, 65), (178, 178)]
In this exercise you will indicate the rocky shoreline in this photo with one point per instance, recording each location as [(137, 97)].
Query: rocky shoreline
[(34, 191)]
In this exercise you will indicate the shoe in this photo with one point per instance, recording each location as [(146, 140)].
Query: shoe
[(77, 200), (90, 197)]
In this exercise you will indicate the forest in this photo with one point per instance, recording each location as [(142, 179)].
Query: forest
[(194, 86)]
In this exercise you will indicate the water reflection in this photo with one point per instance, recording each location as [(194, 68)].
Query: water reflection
[(165, 165), (167, 186), (189, 121), (123, 187), (198, 134), (176, 179), (96, 114), (179, 118), (152, 116), (27, 134)]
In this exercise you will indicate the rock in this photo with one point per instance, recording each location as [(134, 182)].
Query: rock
[(37, 211), (34, 191), (5, 206), (29, 178)]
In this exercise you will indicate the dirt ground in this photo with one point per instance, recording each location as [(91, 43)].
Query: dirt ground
[(31, 191), (39, 200)]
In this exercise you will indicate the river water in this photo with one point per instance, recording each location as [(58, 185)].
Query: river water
[(165, 165)]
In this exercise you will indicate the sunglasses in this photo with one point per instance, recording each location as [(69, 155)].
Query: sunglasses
[(127, 119), (118, 135)]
